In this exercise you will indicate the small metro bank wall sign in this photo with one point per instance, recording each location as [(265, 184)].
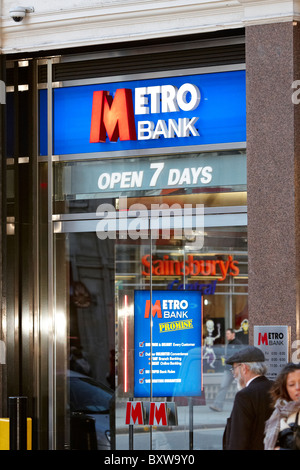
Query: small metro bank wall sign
[(133, 115)]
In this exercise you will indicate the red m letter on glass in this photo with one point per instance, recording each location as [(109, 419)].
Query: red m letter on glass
[(134, 412), (112, 116), (158, 412)]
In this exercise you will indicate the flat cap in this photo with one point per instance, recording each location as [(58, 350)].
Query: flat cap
[(247, 354)]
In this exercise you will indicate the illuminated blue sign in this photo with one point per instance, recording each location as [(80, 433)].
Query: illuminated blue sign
[(173, 366), (147, 114)]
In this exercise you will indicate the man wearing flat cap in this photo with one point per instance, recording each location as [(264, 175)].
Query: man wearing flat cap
[(252, 404)]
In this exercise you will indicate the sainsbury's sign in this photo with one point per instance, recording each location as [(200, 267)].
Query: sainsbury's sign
[(158, 113), (190, 267)]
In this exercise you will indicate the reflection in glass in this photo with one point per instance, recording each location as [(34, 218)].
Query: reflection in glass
[(103, 275)]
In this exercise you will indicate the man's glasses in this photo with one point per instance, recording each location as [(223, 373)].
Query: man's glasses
[(235, 367)]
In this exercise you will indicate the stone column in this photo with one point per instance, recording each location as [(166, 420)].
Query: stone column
[(273, 153)]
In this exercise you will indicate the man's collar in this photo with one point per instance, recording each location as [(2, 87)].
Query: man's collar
[(249, 381)]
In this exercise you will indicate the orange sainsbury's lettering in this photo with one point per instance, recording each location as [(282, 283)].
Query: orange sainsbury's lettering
[(192, 267)]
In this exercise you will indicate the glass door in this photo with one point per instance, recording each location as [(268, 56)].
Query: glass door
[(174, 302), (122, 351), (147, 282), (85, 290)]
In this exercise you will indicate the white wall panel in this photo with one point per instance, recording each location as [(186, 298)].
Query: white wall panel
[(74, 23)]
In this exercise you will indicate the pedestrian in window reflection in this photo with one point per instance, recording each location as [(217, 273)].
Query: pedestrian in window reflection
[(78, 362), (252, 403), (227, 379), (283, 427)]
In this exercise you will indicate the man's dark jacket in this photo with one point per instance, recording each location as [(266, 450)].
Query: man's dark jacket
[(251, 409)]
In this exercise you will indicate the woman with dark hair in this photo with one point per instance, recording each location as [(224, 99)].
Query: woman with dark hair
[(282, 429)]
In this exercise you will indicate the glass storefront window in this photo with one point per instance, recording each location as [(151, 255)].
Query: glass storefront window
[(120, 227)]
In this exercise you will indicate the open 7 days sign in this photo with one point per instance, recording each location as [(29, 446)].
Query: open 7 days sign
[(133, 115)]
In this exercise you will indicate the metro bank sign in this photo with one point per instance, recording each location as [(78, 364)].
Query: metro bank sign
[(115, 117), (193, 110)]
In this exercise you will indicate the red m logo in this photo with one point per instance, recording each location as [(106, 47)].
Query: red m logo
[(158, 413), (155, 413), (134, 413), (262, 339), (112, 116), (156, 309)]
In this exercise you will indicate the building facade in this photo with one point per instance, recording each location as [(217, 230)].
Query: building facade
[(150, 201)]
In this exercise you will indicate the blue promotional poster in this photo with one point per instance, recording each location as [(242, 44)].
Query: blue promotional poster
[(173, 365)]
